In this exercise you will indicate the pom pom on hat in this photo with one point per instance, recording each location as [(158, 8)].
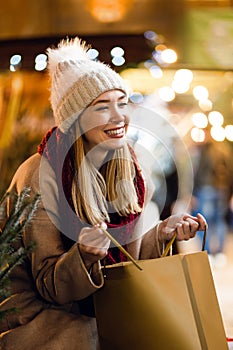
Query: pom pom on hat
[(67, 50), (76, 80)]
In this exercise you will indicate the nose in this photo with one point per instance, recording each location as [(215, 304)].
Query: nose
[(118, 114)]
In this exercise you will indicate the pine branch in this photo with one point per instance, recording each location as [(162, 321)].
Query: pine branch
[(21, 214), (23, 211)]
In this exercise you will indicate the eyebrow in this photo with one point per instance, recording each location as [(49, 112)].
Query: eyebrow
[(107, 100)]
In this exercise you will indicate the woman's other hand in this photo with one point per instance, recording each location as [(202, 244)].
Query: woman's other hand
[(185, 226)]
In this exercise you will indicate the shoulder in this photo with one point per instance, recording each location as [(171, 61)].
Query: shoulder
[(27, 174), (30, 163)]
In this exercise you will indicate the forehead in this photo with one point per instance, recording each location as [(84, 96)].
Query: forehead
[(111, 95)]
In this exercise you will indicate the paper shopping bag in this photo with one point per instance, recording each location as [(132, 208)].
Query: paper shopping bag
[(170, 304)]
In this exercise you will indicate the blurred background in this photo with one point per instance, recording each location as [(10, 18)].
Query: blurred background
[(177, 59)]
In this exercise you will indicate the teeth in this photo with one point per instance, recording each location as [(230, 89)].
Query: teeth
[(115, 132)]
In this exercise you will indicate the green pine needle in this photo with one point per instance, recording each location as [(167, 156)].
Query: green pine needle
[(22, 213)]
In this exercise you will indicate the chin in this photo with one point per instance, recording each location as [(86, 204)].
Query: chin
[(116, 144)]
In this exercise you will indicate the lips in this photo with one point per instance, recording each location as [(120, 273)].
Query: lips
[(116, 132)]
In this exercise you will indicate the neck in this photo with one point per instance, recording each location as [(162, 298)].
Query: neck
[(97, 156)]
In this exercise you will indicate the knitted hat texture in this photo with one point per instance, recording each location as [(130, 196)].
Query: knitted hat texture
[(76, 80)]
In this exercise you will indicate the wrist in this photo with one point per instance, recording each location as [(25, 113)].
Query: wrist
[(160, 229), (159, 244), (88, 263)]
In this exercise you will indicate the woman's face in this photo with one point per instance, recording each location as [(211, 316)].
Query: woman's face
[(104, 122)]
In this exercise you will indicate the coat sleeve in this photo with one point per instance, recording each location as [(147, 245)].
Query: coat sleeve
[(60, 276)]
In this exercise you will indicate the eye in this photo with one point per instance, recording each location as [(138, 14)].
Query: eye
[(122, 104), (102, 108)]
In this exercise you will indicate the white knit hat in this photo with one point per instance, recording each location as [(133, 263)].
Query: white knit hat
[(76, 80)]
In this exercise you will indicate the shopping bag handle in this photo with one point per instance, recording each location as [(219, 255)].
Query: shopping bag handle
[(168, 246), (122, 249)]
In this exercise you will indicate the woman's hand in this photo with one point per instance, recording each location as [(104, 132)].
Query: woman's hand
[(185, 226), (93, 244)]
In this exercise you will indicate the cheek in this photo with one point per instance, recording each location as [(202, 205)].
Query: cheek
[(92, 134), (86, 125), (127, 119), (88, 122)]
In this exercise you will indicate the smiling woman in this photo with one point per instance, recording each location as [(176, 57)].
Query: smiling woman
[(89, 179)]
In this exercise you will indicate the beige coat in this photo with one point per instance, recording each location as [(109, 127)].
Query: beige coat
[(48, 287)]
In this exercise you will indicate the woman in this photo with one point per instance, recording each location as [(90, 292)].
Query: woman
[(88, 178)]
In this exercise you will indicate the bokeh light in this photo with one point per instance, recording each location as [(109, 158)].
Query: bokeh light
[(166, 93), (41, 62), (149, 63), (156, 71), (12, 68), (117, 52), (180, 87), (206, 105), (118, 61), (93, 54), (184, 75), (200, 120), (41, 57), (160, 47), (15, 60), (200, 92), (229, 132), (41, 65), (136, 97), (215, 118), (197, 135), (217, 133), (168, 56), (150, 35)]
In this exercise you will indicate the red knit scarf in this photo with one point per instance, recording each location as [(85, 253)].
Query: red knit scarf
[(54, 152)]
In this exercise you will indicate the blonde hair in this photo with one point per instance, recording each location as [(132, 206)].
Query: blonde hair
[(95, 192)]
